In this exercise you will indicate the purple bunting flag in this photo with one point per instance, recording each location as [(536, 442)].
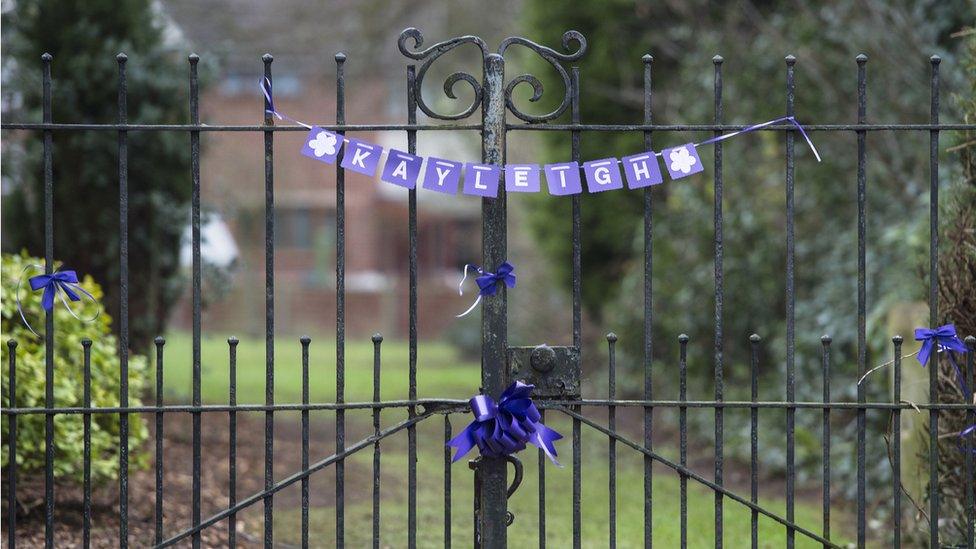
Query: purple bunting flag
[(602, 175), (563, 179), (682, 161), (361, 157), (481, 179), (442, 175), (522, 178), (642, 170), (322, 145), (402, 169)]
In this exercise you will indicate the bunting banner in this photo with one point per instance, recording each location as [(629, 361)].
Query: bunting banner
[(484, 180)]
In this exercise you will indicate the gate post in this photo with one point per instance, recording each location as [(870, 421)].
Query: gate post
[(494, 324)]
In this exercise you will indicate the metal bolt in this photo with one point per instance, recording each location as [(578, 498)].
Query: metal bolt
[(543, 359)]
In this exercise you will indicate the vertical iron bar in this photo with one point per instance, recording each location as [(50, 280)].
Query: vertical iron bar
[(494, 323), (541, 466), (861, 294), (648, 317), (825, 365), (123, 305), (340, 438), (577, 314), (158, 530), (269, 227), (683, 434), (754, 341), (48, 315), (12, 446), (896, 448), (86, 419), (305, 341), (377, 342), (612, 450), (232, 442), (790, 312), (934, 305), (412, 329), (197, 299), (474, 466), (970, 473), (719, 300), (447, 482)]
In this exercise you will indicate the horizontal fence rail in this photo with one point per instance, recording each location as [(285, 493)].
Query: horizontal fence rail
[(416, 410)]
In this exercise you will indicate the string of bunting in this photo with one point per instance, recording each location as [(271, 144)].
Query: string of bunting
[(562, 178)]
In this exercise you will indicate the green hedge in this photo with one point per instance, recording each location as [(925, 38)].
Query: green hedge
[(68, 381)]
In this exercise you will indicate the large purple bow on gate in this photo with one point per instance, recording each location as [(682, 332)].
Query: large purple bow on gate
[(66, 281), (503, 428)]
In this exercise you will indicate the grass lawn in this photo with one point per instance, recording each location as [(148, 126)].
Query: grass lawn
[(440, 371), (442, 374)]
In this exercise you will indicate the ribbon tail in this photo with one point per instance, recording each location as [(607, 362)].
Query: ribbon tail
[(76, 298), (464, 442), (20, 307), (962, 378), (69, 289), (47, 300), (803, 132), (543, 439), (925, 352), (471, 308)]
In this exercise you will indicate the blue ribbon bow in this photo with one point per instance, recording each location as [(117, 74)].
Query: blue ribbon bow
[(51, 283), (56, 284), (943, 338), (488, 282), (503, 428)]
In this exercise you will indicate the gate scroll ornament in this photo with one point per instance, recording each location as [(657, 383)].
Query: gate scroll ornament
[(494, 96)]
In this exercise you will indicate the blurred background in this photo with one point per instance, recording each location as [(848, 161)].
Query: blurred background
[(753, 37)]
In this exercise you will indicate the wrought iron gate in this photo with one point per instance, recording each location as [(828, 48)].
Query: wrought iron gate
[(555, 370)]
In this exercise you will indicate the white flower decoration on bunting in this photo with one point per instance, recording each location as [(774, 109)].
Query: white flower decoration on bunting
[(681, 160), (324, 144)]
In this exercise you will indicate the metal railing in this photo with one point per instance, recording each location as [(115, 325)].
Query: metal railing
[(493, 96)]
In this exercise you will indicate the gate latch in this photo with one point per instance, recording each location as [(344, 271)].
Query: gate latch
[(555, 371)]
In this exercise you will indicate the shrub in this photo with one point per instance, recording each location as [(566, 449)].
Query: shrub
[(68, 381)]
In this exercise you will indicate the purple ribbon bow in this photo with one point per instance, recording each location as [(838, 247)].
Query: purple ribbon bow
[(503, 428), (65, 281), (487, 282), (943, 338)]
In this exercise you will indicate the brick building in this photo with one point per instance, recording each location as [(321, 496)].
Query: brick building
[(232, 175)]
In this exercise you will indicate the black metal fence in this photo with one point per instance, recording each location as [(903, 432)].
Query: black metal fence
[(556, 370)]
